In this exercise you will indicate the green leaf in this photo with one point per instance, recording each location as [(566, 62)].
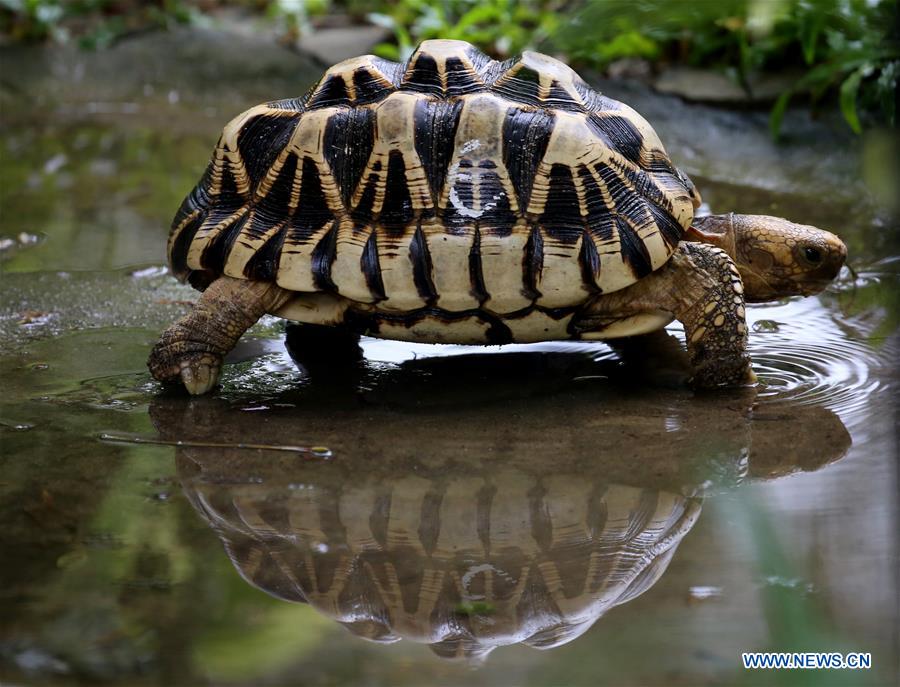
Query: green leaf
[(477, 15), (777, 114), (389, 51), (809, 36), (849, 89)]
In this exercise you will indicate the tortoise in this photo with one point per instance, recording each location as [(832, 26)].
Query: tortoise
[(458, 199)]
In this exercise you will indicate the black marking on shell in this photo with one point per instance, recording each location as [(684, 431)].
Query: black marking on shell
[(533, 264), (480, 62), (217, 250), (322, 258), (435, 123), (420, 257), (363, 212), (263, 265), (261, 140), (273, 206), (589, 262), (626, 201), (496, 212), (562, 216), (553, 313), (498, 333), (491, 70), (521, 85), (476, 272), (368, 87), (178, 256), (460, 78), (526, 134), (670, 230), (228, 189), (332, 91), (392, 71), (289, 104), (397, 211), (692, 193), (657, 162), (630, 209), (559, 98), (197, 199), (347, 143), (644, 185), (634, 252), (619, 134), (312, 209), (256, 227), (594, 101), (599, 218), (368, 322), (371, 268), (422, 75)]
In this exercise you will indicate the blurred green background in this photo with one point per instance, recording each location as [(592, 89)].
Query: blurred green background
[(839, 53)]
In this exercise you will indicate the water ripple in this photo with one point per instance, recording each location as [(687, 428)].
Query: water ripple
[(814, 357)]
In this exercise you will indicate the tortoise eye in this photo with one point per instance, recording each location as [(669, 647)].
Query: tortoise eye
[(814, 255)]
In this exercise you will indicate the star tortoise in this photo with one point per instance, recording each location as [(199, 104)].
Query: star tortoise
[(458, 199)]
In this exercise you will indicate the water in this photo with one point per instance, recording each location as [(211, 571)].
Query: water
[(437, 512)]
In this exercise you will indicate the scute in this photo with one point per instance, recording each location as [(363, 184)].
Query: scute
[(452, 182)]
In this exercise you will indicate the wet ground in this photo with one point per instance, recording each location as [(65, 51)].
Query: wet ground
[(473, 505)]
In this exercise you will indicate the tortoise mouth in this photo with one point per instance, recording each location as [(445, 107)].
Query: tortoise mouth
[(810, 287)]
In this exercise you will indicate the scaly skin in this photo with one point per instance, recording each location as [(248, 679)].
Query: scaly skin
[(776, 258), (192, 349), (702, 288)]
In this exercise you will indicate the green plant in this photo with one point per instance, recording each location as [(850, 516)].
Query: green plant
[(501, 27), (95, 23), (851, 53), (845, 46)]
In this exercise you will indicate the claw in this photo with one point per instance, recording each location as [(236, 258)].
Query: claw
[(199, 376)]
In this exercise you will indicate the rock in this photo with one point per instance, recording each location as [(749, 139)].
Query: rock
[(331, 45), (705, 85)]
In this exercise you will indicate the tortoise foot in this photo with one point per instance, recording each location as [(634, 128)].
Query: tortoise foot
[(723, 372), (174, 363), (200, 374)]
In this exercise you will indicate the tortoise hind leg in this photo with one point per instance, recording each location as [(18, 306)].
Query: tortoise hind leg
[(191, 350), (324, 351), (701, 287)]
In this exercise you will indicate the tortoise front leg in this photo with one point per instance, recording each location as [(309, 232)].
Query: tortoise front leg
[(701, 287), (192, 349)]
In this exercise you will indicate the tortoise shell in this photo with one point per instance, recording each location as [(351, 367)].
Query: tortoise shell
[(452, 183)]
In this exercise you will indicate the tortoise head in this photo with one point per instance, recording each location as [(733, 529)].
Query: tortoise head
[(776, 258)]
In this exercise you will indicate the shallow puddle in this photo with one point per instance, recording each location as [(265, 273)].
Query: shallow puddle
[(436, 513)]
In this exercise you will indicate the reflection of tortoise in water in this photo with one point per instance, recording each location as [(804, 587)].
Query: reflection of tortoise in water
[(464, 565), (456, 199), (431, 526)]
